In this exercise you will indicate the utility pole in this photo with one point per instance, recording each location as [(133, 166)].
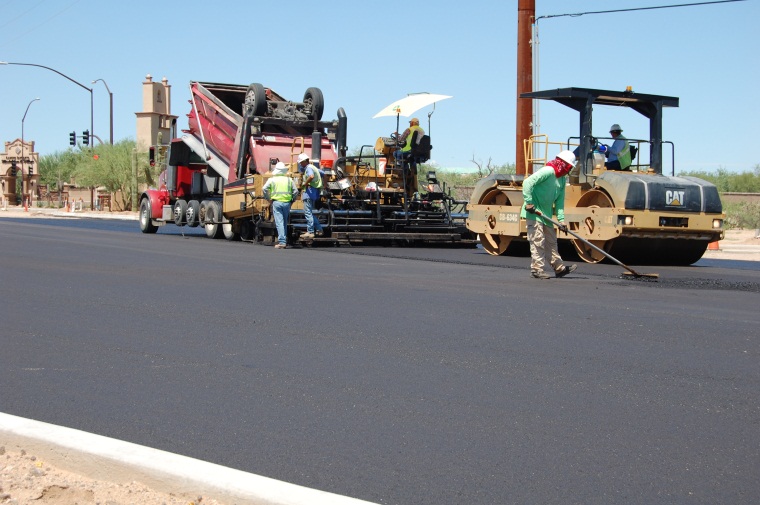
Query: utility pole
[(526, 12)]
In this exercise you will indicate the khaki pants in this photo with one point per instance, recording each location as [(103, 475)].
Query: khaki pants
[(543, 246)]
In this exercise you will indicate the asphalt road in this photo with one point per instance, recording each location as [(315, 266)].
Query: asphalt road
[(398, 375)]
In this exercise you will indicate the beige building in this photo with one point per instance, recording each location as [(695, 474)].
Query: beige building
[(26, 162), (156, 117)]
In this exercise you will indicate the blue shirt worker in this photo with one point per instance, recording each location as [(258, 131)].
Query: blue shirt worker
[(544, 191), (619, 153), (280, 190), (311, 188)]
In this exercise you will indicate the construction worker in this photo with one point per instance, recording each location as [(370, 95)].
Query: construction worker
[(280, 190), (405, 140), (544, 193), (311, 188), (619, 153)]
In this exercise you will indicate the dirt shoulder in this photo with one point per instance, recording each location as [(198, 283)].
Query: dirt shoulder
[(25, 478), (741, 245)]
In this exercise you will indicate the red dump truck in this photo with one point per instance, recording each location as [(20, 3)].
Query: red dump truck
[(212, 175)]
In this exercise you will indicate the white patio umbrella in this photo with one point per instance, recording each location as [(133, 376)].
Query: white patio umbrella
[(410, 104)]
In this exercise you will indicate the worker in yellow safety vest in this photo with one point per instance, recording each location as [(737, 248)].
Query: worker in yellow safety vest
[(405, 140), (280, 190), (619, 153)]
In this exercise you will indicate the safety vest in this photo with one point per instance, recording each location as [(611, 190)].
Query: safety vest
[(281, 188), (624, 158), (316, 181), (416, 128)]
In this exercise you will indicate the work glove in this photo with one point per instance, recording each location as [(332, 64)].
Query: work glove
[(530, 208), (563, 228), (602, 148)]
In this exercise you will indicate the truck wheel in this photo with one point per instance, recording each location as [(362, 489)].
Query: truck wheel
[(314, 100), (256, 99), (212, 216), (247, 230), (229, 234), (180, 212), (193, 211), (146, 223)]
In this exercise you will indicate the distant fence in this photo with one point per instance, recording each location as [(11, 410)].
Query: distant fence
[(740, 197)]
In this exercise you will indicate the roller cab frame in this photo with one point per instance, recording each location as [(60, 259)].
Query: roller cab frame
[(638, 214)]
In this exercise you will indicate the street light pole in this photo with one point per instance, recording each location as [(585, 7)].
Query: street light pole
[(23, 170), (110, 96), (92, 130)]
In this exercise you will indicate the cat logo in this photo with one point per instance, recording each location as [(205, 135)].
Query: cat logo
[(674, 197)]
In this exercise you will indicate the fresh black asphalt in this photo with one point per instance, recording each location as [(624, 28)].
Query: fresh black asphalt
[(399, 375)]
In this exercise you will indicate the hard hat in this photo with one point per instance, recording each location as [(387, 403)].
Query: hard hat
[(567, 157), (280, 168), (414, 120), (615, 128), (302, 157)]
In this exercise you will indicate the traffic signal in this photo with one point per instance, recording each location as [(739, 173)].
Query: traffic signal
[(13, 168), (73, 138), (86, 137), (31, 171)]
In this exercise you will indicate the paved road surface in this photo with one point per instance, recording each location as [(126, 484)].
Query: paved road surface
[(402, 380)]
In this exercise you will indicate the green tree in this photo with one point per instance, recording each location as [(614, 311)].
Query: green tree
[(105, 166), (110, 167), (57, 169), (725, 181)]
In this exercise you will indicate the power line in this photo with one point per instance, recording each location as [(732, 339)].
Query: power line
[(638, 9)]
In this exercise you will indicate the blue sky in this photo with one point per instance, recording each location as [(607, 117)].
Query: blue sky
[(365, 55)]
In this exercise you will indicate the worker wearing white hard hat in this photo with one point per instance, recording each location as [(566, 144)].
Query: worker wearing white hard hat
[(544, 196), (311, 190), (619, 153), (281, 191)]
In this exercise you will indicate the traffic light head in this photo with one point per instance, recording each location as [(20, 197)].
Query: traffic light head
[(73, 138), (31, 171), (86, 137), (13, 168)]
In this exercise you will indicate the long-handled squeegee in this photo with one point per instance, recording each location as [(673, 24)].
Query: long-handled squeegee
[(631, 272)]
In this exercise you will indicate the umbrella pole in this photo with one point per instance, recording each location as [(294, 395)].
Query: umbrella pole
[(430, 114)]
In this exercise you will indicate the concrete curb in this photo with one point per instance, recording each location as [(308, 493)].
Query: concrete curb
[(117, 461), (40, 212)]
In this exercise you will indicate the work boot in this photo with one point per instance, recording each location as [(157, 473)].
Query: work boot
[(280, 246), (318, 233), (539, 274), (306, 236), (565, 270)]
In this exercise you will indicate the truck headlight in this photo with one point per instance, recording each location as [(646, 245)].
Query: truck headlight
[(625, 220), (717, 223)]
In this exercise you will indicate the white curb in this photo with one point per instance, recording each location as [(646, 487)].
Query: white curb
[(118, 461)]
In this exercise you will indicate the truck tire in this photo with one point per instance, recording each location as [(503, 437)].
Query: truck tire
[(193, 211), (146, 222), (256, 99), (229, 232), (179, 212), (247, 230), (212, 217), (315, 101)]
